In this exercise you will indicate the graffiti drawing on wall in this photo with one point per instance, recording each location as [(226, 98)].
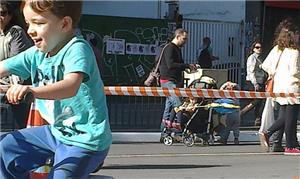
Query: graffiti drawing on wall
[(127, 55)]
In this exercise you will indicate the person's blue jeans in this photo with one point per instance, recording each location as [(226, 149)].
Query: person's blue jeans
[(26, 149), (171, 102)]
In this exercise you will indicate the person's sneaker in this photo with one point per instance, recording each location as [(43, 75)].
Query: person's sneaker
[(277, 148), (167, 123), (236, 141), (291, 151), (177, 126)]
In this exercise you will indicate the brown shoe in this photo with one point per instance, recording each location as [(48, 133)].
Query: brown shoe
[(264, 140), (257, 122)]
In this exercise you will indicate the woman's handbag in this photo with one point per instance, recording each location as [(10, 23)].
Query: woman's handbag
[(154, 76), (270, 81), (270, 85), (152, 79)]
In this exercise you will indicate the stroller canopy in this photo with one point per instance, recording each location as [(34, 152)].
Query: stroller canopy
[(205, 82)]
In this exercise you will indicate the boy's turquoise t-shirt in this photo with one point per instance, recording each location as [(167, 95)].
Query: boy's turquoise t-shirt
[(81, 120)]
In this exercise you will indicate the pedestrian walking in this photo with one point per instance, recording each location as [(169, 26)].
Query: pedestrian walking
[(255, 81), (171, 68), (283, 64)]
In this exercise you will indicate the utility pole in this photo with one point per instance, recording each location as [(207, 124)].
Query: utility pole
[(173, 16)]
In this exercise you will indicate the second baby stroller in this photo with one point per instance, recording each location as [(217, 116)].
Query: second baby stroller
[(194, 119), (223, 106)]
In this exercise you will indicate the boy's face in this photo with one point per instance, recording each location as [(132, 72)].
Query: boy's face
[(46, 30)]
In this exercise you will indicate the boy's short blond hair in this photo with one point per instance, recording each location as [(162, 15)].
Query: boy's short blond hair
[(58, 8)]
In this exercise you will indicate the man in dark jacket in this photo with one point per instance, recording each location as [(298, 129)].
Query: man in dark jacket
[(206, 57), (171, 68)]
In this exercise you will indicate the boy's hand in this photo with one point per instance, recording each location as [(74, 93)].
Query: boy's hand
[(16, 93)]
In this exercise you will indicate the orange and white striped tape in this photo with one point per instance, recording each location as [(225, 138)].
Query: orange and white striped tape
[(190, 92)]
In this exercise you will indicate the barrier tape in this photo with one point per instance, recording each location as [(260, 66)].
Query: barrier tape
[(190, 92), (184, 92)]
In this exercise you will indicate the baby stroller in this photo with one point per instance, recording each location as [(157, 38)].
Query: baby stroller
[(218, 106), (195, 124), (199, 127)]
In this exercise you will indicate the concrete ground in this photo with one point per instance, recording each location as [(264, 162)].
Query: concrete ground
[(157, 161), (136, 155), (245, 136)]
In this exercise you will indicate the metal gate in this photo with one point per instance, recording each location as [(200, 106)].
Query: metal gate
[(227, 44)]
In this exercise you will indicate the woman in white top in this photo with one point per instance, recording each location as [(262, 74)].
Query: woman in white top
[(283, 62)]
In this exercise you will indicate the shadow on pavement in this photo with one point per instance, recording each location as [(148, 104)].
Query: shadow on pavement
[(122, 167), (100, 177)]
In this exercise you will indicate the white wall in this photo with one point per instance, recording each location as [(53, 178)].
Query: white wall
[(233, 11), (139, 9)]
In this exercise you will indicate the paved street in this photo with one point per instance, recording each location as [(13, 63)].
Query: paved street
[(156, 161)]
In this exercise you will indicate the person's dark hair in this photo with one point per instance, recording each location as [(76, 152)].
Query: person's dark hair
[(253, 46), (285, 32), (206, 40), (58, 8), (13, 10), (179, 31)]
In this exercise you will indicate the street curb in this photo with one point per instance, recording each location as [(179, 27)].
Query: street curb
[(119, 137)]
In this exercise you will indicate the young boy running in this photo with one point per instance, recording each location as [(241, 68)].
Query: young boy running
[(68, 91)]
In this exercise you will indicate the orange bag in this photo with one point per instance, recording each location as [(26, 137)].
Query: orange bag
[(270, 85), (270, 81)]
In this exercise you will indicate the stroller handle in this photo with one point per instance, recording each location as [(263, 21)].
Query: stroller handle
[(28, 97)]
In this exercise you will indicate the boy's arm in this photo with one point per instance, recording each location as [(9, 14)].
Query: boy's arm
[(65, 88)]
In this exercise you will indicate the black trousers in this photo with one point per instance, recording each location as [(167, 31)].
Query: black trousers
[(257, 103), (287, 119), (277, 136)]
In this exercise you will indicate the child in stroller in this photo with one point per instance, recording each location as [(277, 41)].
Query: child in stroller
[(191, 116)]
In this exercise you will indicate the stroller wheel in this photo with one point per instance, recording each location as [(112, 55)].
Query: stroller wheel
[(189, 141), (168, 140)]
